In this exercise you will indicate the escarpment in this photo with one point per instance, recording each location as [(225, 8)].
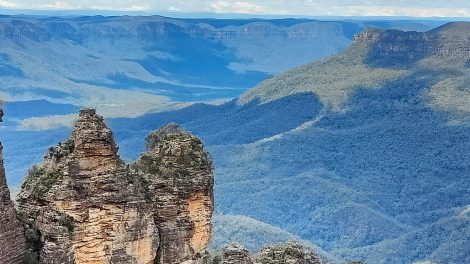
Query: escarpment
[(395, 48), (12, 243), (83, 204)]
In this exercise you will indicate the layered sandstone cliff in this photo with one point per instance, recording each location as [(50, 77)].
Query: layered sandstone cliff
[(83, 204), (12, 243)]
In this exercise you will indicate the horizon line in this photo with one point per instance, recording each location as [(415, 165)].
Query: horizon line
[(209, 15)]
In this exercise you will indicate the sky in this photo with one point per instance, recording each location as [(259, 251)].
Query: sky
[(413, 8)]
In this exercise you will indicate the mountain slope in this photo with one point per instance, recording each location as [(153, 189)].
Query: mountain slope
[(375, 58), (370, 168), (373, 177), (129, 66), (248, 232)]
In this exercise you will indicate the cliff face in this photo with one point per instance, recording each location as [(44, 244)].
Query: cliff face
[(397, 48), (150, 28), (83, 204), (12, 243)]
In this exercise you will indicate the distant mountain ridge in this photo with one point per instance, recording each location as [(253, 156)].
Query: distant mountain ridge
[(375, 56), (365, 153), (145, 27), (110, 62), (451, 41), (126, 66)]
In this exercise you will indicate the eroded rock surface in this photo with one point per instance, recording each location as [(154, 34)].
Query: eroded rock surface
[(233, 254), (12, 243), (178, 177), (292, 253), (83, 204)]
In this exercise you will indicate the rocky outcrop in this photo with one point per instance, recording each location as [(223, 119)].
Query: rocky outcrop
[(177, 174), (12, 243), (290, 252), (233, 254), (83, 204)]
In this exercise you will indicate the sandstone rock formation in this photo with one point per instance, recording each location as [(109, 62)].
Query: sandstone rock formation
[(233, 254), (83, 204), (178, 180), (12, 243), (290, 252)]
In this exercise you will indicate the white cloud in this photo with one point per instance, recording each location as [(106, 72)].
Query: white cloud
[(134, 7), (7, 4), (418, 8), (69, 5), (58, 5), (237, 7), (405, 11), (173, 9)]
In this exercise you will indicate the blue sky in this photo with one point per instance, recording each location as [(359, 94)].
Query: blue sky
[(417, 8)]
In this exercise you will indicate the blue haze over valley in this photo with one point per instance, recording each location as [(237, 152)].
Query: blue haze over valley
[(360, 149)]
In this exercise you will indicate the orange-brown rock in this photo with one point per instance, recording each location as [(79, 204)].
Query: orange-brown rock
[(83, 204), (177, 172)]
